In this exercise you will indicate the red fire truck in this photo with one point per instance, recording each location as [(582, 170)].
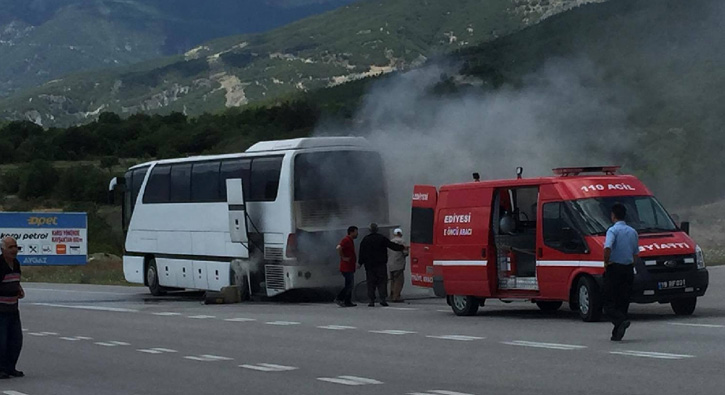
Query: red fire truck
[(541, 239)]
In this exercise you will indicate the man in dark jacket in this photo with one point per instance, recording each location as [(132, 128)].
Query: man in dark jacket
[(11, 330), (374, 255)]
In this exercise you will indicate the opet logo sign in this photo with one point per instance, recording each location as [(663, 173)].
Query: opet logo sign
[(41, 221)]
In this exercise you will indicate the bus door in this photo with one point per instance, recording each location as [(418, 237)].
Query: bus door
[(425, 198), (237, 214)]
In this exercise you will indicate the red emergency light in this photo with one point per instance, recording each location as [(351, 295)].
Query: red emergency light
[(575, 171)]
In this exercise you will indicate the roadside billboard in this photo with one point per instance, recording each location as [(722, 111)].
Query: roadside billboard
[(48, 239)]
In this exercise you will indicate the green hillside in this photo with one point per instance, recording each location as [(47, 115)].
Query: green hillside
[(658, 61), (360, 40), (41, 40)]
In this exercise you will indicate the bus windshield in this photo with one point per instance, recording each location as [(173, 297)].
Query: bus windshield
[(337, 188), (644, 213)]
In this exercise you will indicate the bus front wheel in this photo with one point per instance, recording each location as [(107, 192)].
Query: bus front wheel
[(152, 278)]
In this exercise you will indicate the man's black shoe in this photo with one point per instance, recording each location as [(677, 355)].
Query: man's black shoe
[(619, 331), (4, 376), (349, 305), (17, 373), (371, 304), (339, 303), (384, 304)]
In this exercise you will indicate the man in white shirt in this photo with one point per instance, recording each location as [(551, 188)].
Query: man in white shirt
[(396, 267)]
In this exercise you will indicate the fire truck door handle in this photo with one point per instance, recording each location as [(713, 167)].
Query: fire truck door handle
[(539, 252), (415, 260), (426, 248)]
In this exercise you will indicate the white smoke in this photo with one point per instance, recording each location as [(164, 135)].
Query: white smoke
[(563, 115)]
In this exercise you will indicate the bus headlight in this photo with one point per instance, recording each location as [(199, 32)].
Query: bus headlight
[(699, 257)]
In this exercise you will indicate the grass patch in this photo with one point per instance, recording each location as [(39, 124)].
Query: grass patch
[(102, 269)]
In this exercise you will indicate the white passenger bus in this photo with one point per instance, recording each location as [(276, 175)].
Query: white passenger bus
[(299, 196)]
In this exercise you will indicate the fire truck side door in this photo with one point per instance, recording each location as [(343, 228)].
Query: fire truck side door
[(425, 198)]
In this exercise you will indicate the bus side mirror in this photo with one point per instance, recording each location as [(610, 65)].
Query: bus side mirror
[(685, 227), (117, 184)]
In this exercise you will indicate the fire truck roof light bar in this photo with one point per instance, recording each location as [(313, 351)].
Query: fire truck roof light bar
[(575, 171)]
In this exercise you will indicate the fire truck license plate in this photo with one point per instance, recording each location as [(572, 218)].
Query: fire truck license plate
[(671, 284)]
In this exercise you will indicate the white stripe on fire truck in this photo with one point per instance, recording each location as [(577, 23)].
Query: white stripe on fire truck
[(460, 263), (570, 263)]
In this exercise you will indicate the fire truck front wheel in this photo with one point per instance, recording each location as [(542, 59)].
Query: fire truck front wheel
[(684, 306), (589, 299), (464, 305)]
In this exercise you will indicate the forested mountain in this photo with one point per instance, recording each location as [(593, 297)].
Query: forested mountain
[(362, 39), (44, 39)]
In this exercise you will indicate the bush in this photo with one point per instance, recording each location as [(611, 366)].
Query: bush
[(84, 183), (37, 180), (10, 182)]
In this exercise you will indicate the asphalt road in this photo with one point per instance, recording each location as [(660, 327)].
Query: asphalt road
[(120, 340)]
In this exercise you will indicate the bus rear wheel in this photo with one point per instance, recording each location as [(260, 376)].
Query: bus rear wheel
[(684, 306), (152, 278), (464, 305)]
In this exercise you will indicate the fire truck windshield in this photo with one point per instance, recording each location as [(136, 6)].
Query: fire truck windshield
[(644, 213)]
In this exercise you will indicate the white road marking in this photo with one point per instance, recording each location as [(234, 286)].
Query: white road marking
[(97, 308), (349, 380), (13, 393), (269, 367), (698, 325), (402, 308), (166, 314), (394, 332), (444, 311), (163, 349), (240, 319), (76, 292), (202, 317), (42, 334), (648, 354), (552, 346), (157, 350), (25, 329), (76, 338), (337, 327), (282, 323), (113, 343), (438, 392), (208, 358), (457, 337)]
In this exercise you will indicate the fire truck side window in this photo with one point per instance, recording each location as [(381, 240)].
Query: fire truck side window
[(421, 226), (559, 230)]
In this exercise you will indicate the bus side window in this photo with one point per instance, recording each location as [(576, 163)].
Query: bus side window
[(157, 188), (265, 179), (235, 168), (180, 187), (205, 185)]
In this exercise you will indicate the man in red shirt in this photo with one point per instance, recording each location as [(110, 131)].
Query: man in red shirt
[(348, 260)]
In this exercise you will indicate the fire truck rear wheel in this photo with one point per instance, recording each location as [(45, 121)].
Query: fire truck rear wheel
[(589, 299), (464, 305), (549, 305), (684, 306)]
